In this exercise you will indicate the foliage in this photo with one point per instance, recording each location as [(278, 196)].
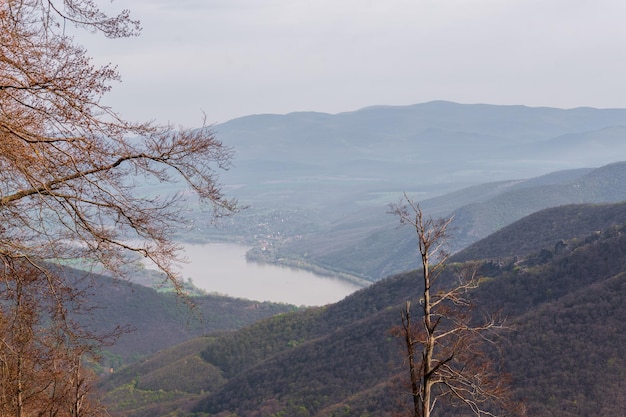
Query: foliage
[(71, 175)]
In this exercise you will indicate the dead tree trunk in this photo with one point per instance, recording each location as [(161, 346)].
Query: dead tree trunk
[(452, 363)]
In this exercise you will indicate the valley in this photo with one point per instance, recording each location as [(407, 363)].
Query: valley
[(540, 215), (342, 359), (188, 245), (316, 187)]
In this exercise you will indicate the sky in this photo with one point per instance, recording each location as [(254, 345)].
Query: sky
[(231, 58)]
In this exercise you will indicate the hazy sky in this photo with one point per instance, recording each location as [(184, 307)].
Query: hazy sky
[(231, 58)]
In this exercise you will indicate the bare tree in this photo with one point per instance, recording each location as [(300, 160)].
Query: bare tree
[(41, 350), (448, 350), (71, 169), (74, 186)]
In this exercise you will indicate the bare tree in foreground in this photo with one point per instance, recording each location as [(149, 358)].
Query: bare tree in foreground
[(446, 349), (73, 187), (71, 168), (41, 349)]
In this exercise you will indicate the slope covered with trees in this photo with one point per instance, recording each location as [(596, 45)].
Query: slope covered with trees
[(564, 298), (369, 244), (158, 320), (545, 230)]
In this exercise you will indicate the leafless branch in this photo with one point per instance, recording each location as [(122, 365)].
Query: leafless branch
[(447, 359)]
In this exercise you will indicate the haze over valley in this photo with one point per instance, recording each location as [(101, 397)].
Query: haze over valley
[(312, 209), (317, 186), (537, 198)]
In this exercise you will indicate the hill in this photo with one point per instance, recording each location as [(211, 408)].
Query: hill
[(477, 220), (565, 298), (369, 244), (158, 320), (546, 229), (303, 159), (408, 134)]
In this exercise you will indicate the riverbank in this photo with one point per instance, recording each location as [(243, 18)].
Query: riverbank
[(260, 256), (270, 256)]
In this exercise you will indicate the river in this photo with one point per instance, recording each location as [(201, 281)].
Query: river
[(222, 268)]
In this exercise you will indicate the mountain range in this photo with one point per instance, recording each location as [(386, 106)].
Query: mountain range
[(316, 186), (536, 198), (411, 147)]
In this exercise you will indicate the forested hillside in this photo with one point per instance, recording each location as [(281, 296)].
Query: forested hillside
[(369, 243), (564, 295), (158, 320), (546, 230)]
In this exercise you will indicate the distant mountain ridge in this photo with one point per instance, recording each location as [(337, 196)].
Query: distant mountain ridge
[(397, 147), (411, 133), (317, 184)]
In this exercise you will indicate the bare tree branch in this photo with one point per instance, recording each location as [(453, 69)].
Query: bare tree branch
[(446, 354), (73, 176)]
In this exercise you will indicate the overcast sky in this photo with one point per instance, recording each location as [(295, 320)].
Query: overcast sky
[(231, 58)]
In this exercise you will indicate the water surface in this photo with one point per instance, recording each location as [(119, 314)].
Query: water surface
[(222, 268)]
